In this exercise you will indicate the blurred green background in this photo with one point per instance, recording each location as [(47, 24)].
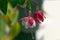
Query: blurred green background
[(22, 13)]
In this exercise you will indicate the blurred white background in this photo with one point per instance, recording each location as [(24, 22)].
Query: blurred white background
[(52, 22)]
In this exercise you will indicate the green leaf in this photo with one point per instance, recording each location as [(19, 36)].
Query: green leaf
[(13, 2), (12, 13), (15, 30), (21, 2), (2, 24), (29, 5), (3, 6), (15, 16)]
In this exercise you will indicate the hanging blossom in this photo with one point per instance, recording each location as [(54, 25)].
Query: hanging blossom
[(39, 16), (28, 22)]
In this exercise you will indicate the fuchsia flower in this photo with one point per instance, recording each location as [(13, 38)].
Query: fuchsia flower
[(29, 21), (39, 16)]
